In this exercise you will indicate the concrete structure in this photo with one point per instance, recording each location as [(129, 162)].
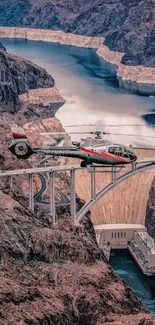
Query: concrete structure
[(131, 236), (116, 178), (117, 235), (124, 203), (142, 248)]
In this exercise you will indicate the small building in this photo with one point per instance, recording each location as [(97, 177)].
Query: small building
[(117, 235), (131, 236), (142, 249)]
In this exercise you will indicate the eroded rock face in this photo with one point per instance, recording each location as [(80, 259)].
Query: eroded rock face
[(2, 48), (150, 211), (54, 275), (57, 275), (128, 26), (17, 76)]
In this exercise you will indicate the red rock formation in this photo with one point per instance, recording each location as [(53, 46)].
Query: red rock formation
[(55, 275), (150, 211), (128, 26), (58, 275)]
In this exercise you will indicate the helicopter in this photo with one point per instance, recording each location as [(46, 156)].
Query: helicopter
[(90, 151)]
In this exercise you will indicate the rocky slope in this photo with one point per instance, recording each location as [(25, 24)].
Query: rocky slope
[(18, 76), (128, 26), (52, 275), (2, 48), (55, 275), (150, 211), (58, 275)]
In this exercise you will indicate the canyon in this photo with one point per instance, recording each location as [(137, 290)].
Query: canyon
[(139, 79), (128, 27), (50, 274), (126, 30)]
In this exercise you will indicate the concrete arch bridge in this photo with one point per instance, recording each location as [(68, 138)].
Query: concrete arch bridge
[(114, 179)]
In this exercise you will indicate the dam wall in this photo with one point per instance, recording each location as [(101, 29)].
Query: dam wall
[(124, 204)]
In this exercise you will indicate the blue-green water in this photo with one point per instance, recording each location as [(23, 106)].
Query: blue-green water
[(92, 94), (144, 287), (90, 89)]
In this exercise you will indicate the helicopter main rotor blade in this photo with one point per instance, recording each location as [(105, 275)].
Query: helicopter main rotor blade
[(111, 125), (130, 135), (96, 132), (64, 133), (52, 133), (143, 148)]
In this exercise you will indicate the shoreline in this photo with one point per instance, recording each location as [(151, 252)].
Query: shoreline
[(137, 79)]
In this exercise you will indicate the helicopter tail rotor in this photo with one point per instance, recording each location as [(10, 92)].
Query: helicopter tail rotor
[(20, 146)]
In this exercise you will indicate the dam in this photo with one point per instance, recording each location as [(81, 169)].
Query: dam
[(93, 94), (109, 236)]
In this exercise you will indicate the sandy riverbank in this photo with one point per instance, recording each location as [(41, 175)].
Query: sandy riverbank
[(135, 78)]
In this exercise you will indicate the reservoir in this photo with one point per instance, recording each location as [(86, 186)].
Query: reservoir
[(91, 92), (92, 96)]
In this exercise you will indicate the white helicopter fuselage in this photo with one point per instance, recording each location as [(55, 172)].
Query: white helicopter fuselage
[(101, 154), (106, 154)]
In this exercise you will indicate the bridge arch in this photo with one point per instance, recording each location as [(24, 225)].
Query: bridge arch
[(104, 190)]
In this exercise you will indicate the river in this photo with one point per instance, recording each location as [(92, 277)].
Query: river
[(91, 91), (92, 97), (144, 287)]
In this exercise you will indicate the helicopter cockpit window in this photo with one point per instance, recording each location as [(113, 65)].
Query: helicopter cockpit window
[(119, 151)]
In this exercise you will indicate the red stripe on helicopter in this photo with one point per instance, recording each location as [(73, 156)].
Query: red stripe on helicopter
[(18, 135), (103, 154)]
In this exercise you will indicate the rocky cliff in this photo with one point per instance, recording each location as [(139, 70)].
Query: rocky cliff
[(55, 275), (18, 76), (128, 26), (52, 275), (150, 211), (58, 275), (2, 48)]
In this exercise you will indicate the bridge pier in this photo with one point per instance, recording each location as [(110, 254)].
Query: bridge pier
[(31, 194), (52, 197), (72, 194), (93, 185), (134, 166), (10, 182), (113, 174)]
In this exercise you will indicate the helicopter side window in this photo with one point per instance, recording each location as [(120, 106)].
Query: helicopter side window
[(111, 150), (125, 153), (114, 151)]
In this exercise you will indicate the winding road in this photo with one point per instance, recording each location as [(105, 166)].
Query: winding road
[(38, 197)]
